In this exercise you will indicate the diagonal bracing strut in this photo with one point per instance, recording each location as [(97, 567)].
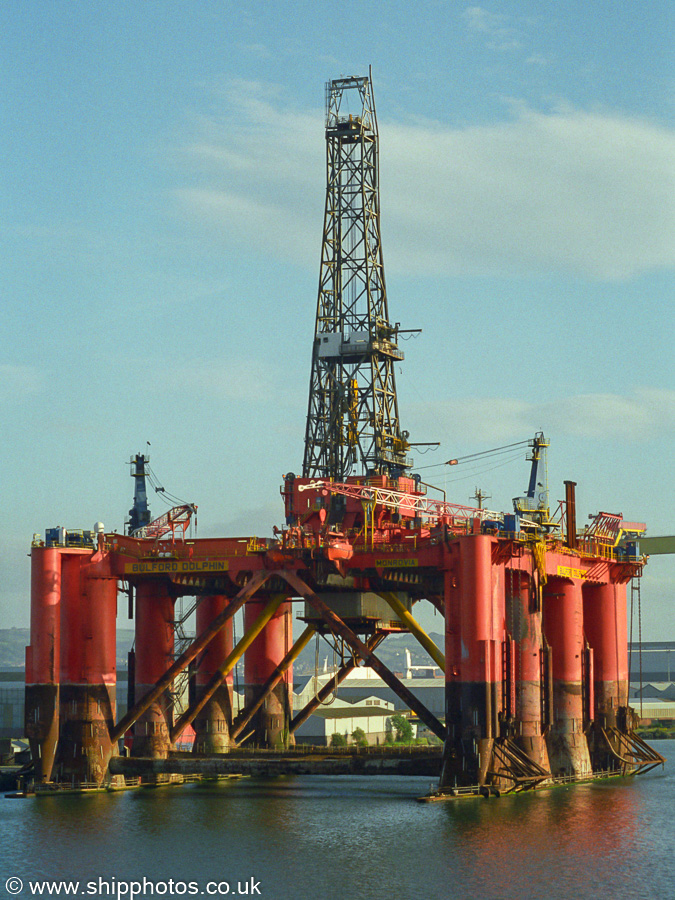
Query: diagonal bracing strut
[(256, 581), (344, 631), (247, 714), (226, 667), (373, 641)]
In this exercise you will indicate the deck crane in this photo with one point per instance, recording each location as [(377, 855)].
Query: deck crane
[(139, 514), (412, 504), (535, 504), (175, 521)]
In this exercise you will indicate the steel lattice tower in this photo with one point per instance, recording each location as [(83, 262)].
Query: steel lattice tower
[(352, 419)]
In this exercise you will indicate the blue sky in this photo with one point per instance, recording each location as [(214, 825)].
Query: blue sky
[(161, 205)]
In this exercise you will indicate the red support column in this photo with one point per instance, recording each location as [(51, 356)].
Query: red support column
[(474, 597), (212, 724), (72, 595), (272, 721), (564, 629), (606, 629), (523, 620), (452, 753), (70, 755), (154, 655), (42, 660), (88, 668)]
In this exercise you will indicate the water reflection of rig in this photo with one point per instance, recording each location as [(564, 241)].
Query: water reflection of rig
[(535, 657)]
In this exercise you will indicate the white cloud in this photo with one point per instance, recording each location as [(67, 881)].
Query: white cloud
[(582, 192), (19, 382), (479, 19), (643, 414), (495, 27), (588, 193), (261, 172), (260, 221), (246, 381), (505, 45)]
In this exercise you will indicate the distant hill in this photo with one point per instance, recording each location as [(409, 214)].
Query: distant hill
[(13, 642), (391, 652)]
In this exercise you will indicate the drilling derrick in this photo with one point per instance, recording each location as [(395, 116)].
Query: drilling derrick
[(352, 419)]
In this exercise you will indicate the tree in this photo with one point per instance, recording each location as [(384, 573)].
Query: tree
[(338, 740), (402, 727), (359, 737)]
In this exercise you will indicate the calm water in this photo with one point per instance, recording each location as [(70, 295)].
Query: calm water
[(329, 838)]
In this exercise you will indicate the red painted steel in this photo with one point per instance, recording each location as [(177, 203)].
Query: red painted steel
[(605, 623), (42, 660), (154, 655), (270, 647), (222, 644), (270, 725), (212, 724), (88, 669), (72, 643), (99, 624), (563, 626), (564, 623), (189, 654), (496, 654), (481, 610), (524, 623), (475, 615), (45, 616), (88, 619)]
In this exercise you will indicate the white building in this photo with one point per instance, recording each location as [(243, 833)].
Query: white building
[(371, 714)]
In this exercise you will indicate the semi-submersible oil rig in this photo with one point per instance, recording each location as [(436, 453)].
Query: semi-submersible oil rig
[(535, 610)]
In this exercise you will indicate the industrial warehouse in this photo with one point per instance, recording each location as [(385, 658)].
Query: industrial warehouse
[(535, 684)]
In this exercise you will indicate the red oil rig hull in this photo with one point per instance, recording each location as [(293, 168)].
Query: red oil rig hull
[(535, 655)]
